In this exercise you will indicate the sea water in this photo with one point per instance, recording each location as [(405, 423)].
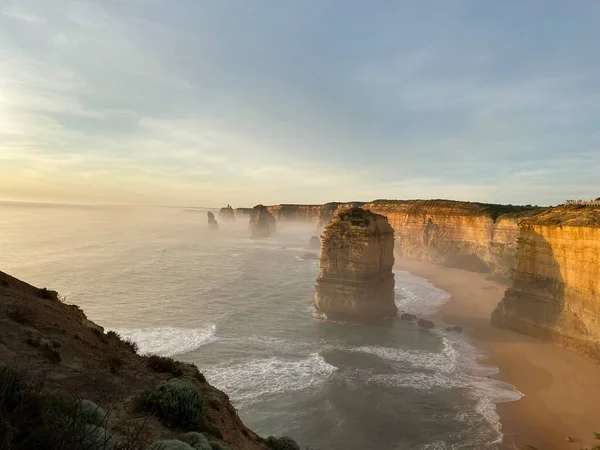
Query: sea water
[(241, 310)]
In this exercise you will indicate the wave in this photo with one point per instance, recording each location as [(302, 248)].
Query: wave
[(169, 341), (246, 381), (416, 295)]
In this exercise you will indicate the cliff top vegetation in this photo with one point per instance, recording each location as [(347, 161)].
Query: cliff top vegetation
[(462, 208), (574, 215)]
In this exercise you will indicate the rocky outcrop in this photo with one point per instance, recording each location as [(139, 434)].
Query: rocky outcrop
[(226, 214), (262, 222), (314, 243), (555, 292), (355, 281), (71, 357), (212, 223)]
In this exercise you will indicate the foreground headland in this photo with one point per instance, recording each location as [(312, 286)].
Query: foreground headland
[(561, 393), (97, 391)]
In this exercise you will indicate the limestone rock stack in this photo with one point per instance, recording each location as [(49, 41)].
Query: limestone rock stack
[(212, 223), (262, 222), (226, 214), (355, 281)]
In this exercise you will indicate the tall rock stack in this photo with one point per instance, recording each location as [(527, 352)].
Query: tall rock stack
[(355, 281), (212, 223), (226, 214), (262, 222)]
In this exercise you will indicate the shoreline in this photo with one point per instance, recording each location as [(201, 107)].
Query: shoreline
[(561, 394)]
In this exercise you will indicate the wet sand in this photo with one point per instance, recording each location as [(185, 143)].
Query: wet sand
[(562, 388)]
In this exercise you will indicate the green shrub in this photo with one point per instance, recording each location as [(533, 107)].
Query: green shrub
[(91, 413), (218, 446), (163, 364), (196, 440), (97, 438), (170, 444), (176, 403), (22, 314), (282, 443), (34, 418)]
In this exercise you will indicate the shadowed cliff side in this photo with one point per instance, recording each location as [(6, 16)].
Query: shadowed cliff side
[(355, 281), (555, 293)]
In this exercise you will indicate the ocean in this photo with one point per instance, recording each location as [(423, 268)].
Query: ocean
[(241, 310)]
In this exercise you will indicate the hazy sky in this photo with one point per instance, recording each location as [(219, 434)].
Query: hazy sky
[(245, 101)]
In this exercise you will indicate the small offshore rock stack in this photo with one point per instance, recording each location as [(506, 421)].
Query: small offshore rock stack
[(226, 214), (212, 223), (355, 281), (262, 222)]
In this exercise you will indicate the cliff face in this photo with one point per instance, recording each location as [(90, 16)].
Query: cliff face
[(555, 294), (321, 214), (226, 214), (470, 236), (355, 279)]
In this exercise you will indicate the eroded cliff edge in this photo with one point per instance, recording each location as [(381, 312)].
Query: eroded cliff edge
[(555, 292)]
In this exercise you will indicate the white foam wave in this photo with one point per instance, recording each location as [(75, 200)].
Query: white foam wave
[(169, 341), (416, 358), (247, 381), (417, 295)]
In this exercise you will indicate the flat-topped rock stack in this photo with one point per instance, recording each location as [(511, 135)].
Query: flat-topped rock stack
[(355, 281)]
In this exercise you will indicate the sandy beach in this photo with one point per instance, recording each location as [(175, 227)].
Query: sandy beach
[(561, 389)]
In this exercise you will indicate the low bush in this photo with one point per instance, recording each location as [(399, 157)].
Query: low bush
[(196, 440), (164, 364), (218, 446), (128, 342), (170, 444), (282, 443), (45, 293), (22, 314), (34, 418), (176, 403)]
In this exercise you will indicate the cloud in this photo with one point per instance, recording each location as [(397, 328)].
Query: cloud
[(206, 103)]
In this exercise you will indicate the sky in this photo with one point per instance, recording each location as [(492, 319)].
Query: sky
[(198, 102)]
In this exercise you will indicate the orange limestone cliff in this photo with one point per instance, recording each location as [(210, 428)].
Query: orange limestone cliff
[(555, 293), (473, 236), (355, 281)]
